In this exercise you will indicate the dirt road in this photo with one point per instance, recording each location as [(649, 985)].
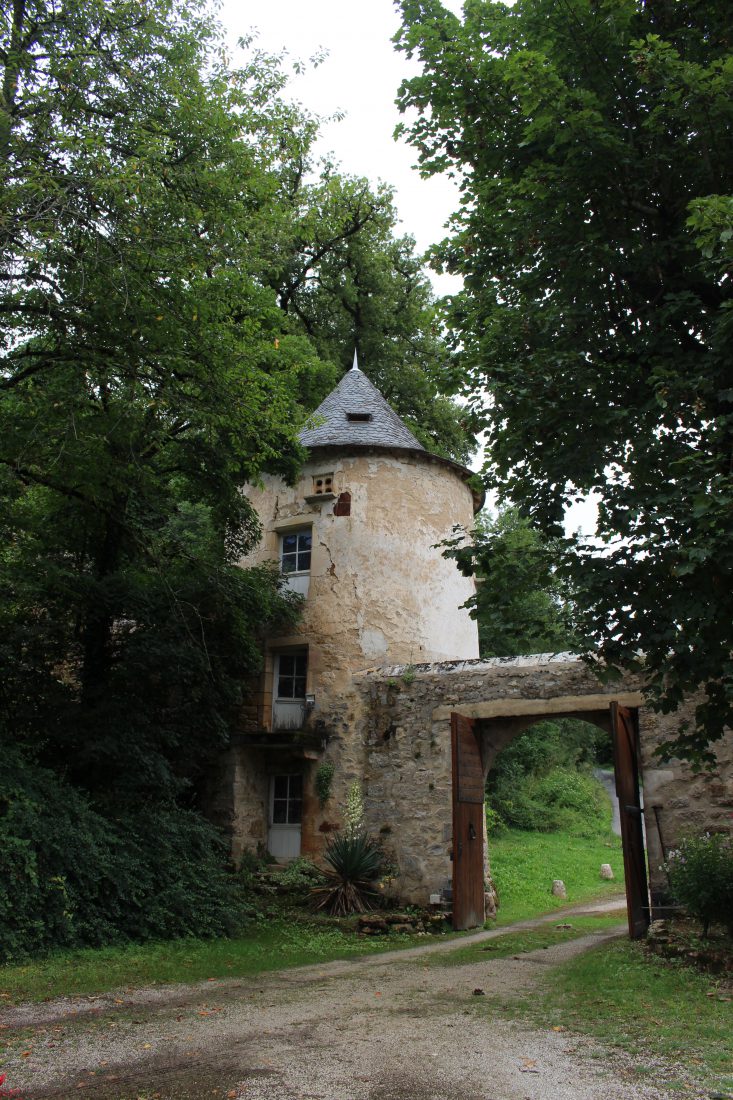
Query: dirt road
[(382, 1028)]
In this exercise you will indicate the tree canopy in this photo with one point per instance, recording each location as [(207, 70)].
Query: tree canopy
[(594, 148)]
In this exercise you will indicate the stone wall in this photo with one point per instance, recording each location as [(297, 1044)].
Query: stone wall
[(403, 722)]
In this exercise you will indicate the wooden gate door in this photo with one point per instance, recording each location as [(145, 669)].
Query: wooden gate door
[(625, 734), (468, 825)]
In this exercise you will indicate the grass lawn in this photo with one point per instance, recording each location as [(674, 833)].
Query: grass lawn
[(524, 864), (633, 1001), (268, 945)]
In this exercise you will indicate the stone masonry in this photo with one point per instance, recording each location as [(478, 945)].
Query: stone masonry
[(401, 717)]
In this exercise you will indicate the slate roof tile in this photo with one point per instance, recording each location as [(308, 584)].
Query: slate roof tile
[(378, 425)]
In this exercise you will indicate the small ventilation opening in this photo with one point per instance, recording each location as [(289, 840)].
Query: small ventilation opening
[(359, 418), (322, 483)]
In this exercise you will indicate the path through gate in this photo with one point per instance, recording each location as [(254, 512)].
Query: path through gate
[(468, 812)]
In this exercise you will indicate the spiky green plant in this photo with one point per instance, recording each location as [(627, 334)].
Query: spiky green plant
[(356, 861)]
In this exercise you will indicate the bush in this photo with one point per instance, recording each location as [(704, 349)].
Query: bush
[(72, 877), (542, 782), (563, 799), (700, 874), (298, 874)]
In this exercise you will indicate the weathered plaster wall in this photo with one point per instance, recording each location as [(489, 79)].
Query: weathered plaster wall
[(405, 728), (380, 591)]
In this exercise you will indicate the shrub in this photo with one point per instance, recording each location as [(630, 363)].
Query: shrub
[(562, 799), (356, 861), (495, 824), (298, 874), (700, 874), (71, 876), (323, 781)]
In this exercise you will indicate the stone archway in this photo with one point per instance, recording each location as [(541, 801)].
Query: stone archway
[(402, 718)]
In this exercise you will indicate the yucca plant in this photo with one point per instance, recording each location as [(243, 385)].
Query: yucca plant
[(356, 861)]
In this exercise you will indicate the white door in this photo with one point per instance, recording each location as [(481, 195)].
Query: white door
[(288, 706), (286, 809)]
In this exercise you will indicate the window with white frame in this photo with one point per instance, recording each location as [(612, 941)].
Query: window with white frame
[(287, 799), (291, 676), (295, 551)]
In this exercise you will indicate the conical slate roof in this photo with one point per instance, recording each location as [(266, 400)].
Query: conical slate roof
[(356, 415)]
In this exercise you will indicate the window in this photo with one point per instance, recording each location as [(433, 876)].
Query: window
[(295, 552), (287, 799), (322, 483), (359, 418), (291, 671)]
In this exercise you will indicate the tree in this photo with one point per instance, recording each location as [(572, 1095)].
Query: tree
[(593, 140), (145, 374), (155, 214), (346, 279), (521, 604)]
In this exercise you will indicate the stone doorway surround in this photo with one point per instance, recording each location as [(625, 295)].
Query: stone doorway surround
[(403, 721)]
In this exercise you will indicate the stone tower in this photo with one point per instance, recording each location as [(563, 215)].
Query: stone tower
[(357, 536)]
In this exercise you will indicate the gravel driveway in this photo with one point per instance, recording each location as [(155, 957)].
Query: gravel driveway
[(381, 1028)]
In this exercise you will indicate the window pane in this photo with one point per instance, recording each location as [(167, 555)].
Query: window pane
[(280, 786), (304, 541), (298, 687), (290, 544), (288, 564), (285, 687), (294, 812), (304, 561), (296, 786), (300, 664), (287, 664), (279, 812)]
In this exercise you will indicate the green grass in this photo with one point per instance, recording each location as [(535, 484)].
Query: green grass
[(279, 943), (633, 1001), (529, 939), (524, 864)]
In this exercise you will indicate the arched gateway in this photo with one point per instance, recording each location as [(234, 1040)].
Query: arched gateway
[(431, 732)]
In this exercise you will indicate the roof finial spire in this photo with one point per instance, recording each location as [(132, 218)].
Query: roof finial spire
[(356, 363)]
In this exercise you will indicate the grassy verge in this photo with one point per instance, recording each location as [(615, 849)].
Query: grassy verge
[(524, 864), (652, 1009), (282, 942), (529, 939)]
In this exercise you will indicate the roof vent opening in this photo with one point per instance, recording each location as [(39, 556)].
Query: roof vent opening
[(359, 418)]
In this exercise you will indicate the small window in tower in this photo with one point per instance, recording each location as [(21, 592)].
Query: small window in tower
[(295, 551), (322, 483), (342, 507), (356, 417)]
